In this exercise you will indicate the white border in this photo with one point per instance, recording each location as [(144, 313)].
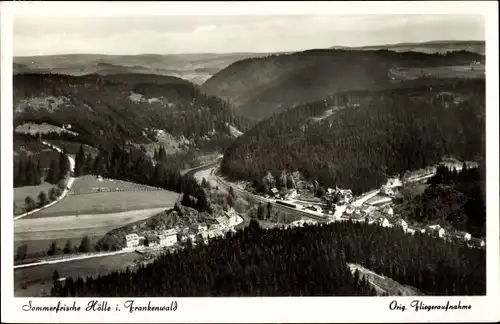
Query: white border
[(312, 309)]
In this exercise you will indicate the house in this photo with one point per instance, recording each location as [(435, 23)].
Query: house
[(169, 237), (203, 235), (214, 226), (132, 240), (274, 192), (393, 182), (344, 194), (315, 208), (402, 224), (310, 222), (152, 240), (222, 221), (199, 227), (232, 219), (412, 230), (436, 230), (292, 194), (388, 191), (215, 233), (382, 221), (349, 209), (339, 210), (388, 211), (460, 235), (478, 243)]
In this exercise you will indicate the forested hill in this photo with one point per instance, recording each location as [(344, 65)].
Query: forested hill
[(259, 87), (355, 139), (124, 107), (309, 261)]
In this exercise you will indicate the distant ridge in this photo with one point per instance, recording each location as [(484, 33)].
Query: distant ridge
[(438, 46)]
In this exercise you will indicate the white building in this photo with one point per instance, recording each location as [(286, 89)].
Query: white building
[(339, 210), (199, 227), (411, 230), (464, 236), (388, 191), (436, 230), (292, 194), (402, 224), (388, 210), (232, 219), (316, 208), (132, 240), (215, 233), (349, 209), (384, 222), (393, 182), (169, 237), (222, 221)]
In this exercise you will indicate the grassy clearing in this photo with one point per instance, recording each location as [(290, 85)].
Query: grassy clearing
[(38, 233), (20, 194), (90, 184), (33, 129), (465, 71), (38, 280), (108, 203)]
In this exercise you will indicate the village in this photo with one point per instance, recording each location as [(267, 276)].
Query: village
[(199, 232), (374, 207)]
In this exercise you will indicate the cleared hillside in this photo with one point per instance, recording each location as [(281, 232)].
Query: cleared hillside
[(260, 87), (124, 108)]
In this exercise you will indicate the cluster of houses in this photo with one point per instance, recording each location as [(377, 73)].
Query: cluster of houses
[(289, 194), (195, 232), (433, 230)]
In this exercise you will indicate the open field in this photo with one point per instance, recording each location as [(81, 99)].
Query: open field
[(33, 129), (38, 280), (38, 233), (465, 71), (90, 184), (108, 203), (20, 194)]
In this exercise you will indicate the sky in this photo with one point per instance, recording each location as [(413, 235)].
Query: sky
[(153, 34)]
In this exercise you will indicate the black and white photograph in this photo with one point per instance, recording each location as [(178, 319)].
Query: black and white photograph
[(159, 156)]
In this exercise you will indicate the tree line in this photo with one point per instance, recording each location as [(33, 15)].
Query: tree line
[(370, 135), (30, 171), (134, 166), (85, 246), (308, 261)]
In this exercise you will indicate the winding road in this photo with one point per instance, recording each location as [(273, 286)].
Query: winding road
[(65, 191)]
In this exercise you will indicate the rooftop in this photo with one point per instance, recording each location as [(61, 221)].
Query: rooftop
[(169, 232)]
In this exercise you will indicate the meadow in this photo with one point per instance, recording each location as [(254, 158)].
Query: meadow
[(459, 71), (37, 281), (91, 184), (108, 203), (39, 233), (20, 194)]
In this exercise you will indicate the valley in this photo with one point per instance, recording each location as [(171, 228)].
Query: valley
[(234, 164)]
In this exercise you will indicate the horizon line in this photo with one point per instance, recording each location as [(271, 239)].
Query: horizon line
[(266, 52)]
